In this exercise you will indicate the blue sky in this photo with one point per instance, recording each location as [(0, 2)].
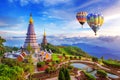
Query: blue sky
[(58, 17)]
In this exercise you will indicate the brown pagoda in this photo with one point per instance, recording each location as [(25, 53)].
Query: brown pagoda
[(31, 37), (44, 41)]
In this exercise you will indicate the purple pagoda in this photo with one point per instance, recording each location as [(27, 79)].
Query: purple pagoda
[(31, 37), (44, 41)]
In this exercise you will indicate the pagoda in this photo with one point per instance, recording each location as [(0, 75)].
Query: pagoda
[(31, 37), (44, 41)]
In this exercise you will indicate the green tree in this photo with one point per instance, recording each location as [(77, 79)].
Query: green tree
[(94, 59), (40, 64), (12, 62), (15, 49), (102, 58), (61, 75), (47, 70), (2, 48), (30, 60), (102, 73), (4, 78), (67, 75), (12, 73), (64, 54), (80, 57)]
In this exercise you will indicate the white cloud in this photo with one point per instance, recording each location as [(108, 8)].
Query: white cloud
[(25, 2), (54, 2), (14, 32), (45, 2), (111, 24), (88, 3), (102, 41)]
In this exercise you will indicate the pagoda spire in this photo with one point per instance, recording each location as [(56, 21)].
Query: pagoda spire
[(31, 20), (31, 37), (44, 33), (44, 41)]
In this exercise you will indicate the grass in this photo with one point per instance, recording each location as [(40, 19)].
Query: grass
[(63, 51), (55, 56)]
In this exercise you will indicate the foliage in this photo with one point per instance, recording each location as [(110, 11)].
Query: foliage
[(30, 60), (11, 62), (11, 73), (4, 78), (29, 49), (61, 76), (57, 61), (10, 49), (70, 67), (64, 54), (65, 72), (102, 73), (53, 62), (51, 47), (102, 58), (2, 48), (75, 51), (112, 63), (40, 64), (67, 75), (94, 59), (89, 76), (55, 57), (65, 50), (50, 69), (79, 57), (47, 70)]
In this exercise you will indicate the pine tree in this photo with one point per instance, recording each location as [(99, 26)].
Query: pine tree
[(67, 75), (64, 72), (61, 75)]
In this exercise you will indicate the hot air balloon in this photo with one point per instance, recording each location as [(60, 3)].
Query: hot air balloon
[(81, 17), (95, 21)]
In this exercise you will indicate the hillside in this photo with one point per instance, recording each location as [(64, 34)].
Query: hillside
[(65, 50), (97, 51)]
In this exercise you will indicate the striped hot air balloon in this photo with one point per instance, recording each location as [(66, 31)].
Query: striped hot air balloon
[(95, 21), (81, 17)]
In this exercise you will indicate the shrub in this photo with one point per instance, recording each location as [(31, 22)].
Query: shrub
[(79, 57), (89, 76), (40, 64), (94, 59), (57, 61), (102, 73), (47, 70), (70, 67), (112, 63)]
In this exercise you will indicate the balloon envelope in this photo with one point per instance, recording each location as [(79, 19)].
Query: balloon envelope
[(95, 21), (81, 17)]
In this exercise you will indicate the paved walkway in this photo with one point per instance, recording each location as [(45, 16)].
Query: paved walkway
[(74, 61)]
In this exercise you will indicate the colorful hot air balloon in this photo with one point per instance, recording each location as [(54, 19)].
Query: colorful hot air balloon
[(95, 21), (81, 17)]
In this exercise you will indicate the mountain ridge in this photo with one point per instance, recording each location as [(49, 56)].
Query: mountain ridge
[(97, 51)]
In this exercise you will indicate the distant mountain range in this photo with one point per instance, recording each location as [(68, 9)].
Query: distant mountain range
[(91, 49), (97, 51)]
